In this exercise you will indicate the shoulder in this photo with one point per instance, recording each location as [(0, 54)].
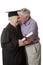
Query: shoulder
[(33, 22), (5, 31)]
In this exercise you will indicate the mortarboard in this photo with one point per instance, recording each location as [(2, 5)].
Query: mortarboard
[(12, 13)]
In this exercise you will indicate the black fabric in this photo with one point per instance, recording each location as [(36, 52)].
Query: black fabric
[(12, 54), (12, 13)]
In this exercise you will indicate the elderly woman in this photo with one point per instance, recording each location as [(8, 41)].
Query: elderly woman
[(13, 51)]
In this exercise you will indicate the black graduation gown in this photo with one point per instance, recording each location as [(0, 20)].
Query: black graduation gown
[(12, 54)]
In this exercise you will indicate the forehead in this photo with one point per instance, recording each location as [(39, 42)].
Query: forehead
[(20, 13)]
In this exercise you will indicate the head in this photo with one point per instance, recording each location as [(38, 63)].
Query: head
[(13, 18), (24, 15)]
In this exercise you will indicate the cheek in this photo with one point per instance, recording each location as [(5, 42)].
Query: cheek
[(22, 19)]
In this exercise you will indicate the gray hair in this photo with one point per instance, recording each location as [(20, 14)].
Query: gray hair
[(25, 12)]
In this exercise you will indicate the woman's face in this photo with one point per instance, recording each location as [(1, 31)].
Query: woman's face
[(14, 20)]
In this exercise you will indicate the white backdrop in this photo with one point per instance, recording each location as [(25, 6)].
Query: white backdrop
[(36, 8)]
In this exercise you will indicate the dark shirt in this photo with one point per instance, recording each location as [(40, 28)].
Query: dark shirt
[(11, 52)]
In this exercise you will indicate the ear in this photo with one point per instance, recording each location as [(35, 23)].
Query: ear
[(27, 17)]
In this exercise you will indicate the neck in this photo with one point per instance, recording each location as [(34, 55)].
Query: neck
[(12, 24)]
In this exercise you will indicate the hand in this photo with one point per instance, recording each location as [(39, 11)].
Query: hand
[(27, 41), (21, 43)]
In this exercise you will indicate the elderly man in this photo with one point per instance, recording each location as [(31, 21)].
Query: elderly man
[(29, 25)]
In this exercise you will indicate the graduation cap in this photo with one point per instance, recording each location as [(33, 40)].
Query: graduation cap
[(12, 13)]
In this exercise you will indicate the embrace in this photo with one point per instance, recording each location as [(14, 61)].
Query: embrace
[(15, 50)]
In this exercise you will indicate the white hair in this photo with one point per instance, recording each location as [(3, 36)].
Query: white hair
[(25, 12)]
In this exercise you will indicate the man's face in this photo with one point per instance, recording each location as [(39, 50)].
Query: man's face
[(22, 19)]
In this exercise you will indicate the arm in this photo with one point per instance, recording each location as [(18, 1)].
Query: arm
[(24, 43)]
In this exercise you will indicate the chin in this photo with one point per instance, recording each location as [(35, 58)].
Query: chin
[(22, 22)]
